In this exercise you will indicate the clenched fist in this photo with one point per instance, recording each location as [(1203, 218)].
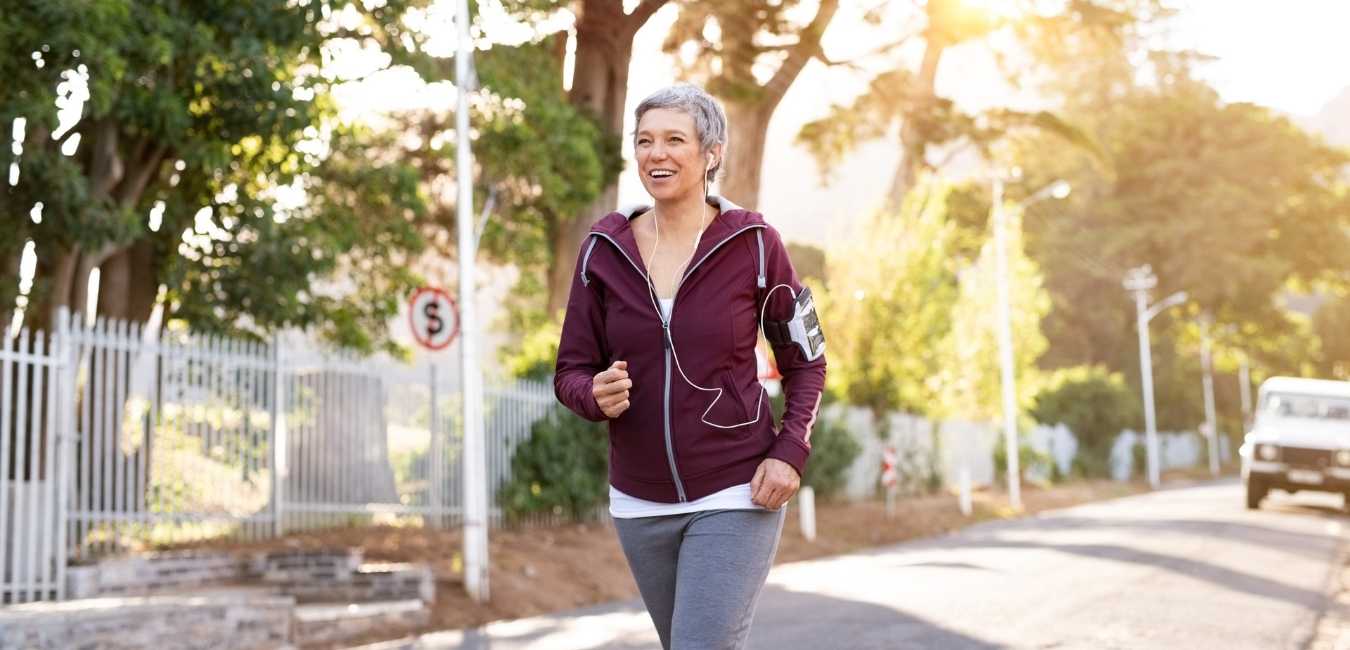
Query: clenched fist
[(610, 389)]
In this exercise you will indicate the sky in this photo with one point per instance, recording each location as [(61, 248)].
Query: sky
[(1286, 54)]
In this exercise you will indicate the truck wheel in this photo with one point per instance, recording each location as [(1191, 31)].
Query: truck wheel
[(1255, 493)]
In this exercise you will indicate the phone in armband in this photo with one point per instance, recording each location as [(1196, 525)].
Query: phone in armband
[(802, 330)]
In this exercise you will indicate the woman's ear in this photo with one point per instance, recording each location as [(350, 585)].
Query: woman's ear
[(714, 159)]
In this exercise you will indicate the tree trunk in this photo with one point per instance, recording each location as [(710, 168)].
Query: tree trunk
[(129, 283), (749, 121), (912, 144), (745, 152), (600, 89)]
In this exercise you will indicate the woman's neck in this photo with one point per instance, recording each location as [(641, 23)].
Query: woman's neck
[(686, 214)]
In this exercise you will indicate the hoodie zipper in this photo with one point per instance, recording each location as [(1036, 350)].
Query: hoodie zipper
[(668, 342)]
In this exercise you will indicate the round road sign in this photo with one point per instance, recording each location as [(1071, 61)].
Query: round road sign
[(434, 318)]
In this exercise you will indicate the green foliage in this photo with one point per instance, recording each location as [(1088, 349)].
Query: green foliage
[(1096, 405), (1179, 170), (1029, 461), (833, 450), (535, 357), (1139, 460), (1330, 323), (969, 375), (209, 108), (891, 291), (561, 469)]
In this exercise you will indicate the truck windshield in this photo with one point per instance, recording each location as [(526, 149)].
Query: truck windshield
[(1321, 407)]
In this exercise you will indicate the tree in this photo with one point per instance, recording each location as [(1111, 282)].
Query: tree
[(539, 161), (748, 36), (604, 47), (198, 116), (891, 291), (1230, 202), (908, 98), (1096, 405), (1330, 323), (969, 373)]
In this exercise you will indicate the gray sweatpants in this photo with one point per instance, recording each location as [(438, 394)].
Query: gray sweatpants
[(700, 574)]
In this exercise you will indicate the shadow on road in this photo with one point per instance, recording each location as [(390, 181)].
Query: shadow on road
[(1214, 574), (785, 619), (1303, 544), (805, 620)]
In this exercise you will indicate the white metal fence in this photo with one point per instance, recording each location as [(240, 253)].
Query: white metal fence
[(113, 439), (33, 491)]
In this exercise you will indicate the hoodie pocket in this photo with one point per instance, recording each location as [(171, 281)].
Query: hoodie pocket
[(728, 411)]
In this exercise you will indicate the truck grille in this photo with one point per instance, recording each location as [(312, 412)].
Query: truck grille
[(1304, 457)]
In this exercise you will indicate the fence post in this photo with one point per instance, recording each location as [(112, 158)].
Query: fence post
[(278, 442), (67, 369), (435, 454)]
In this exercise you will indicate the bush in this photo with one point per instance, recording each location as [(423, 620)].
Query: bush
[(537, 353), (833, 451), (1096, 405), (1027, 459), (561, 469)]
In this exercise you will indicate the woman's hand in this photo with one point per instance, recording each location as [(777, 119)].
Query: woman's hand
[(610, 388), (775, 482)]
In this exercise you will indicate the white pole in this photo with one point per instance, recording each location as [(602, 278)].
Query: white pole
[(806, 502), (475, 471), (279, 442), (1245, 378), (1146, 370), (1005, 346), (1211, 426)]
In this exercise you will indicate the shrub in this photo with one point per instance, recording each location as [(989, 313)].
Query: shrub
[(833, 451), (561, 469), (1028, 458), (1096, 405)]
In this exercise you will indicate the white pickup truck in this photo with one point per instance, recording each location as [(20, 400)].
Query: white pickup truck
[(1300, 439)]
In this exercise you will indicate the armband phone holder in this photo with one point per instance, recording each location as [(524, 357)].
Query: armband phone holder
[(802, 330)]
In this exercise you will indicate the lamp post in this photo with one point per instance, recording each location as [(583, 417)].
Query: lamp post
[(1058, 189), (475, 463), (1207, 366), (1140, 280)]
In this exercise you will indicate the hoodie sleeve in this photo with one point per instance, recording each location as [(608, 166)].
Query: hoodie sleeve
[(581, 353), (803, 381)]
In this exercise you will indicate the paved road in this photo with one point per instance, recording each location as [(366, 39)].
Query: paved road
[(1181, 568)]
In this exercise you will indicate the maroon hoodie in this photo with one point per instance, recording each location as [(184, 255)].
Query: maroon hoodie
[(661, 449)]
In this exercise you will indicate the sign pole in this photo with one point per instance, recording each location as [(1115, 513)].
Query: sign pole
[(475, 465)]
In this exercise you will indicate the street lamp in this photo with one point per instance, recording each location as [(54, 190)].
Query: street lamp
[(1058, 190), (1207, 366), (1140, 280)]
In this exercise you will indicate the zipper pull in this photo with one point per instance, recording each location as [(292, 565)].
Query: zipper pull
[(665, 340)]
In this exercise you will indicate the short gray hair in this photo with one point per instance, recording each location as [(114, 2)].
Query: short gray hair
[(710, 121)]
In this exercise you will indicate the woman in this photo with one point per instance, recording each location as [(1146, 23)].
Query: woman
[(659, 340)]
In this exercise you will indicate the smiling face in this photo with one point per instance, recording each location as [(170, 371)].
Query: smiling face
[(669, 155)]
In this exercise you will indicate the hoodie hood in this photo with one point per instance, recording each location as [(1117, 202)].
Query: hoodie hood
[(731, 218)]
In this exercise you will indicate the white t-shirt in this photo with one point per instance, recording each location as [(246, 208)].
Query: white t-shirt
[(736, 497)]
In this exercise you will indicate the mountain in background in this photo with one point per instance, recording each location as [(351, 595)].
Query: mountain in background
[(1333, 122)]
